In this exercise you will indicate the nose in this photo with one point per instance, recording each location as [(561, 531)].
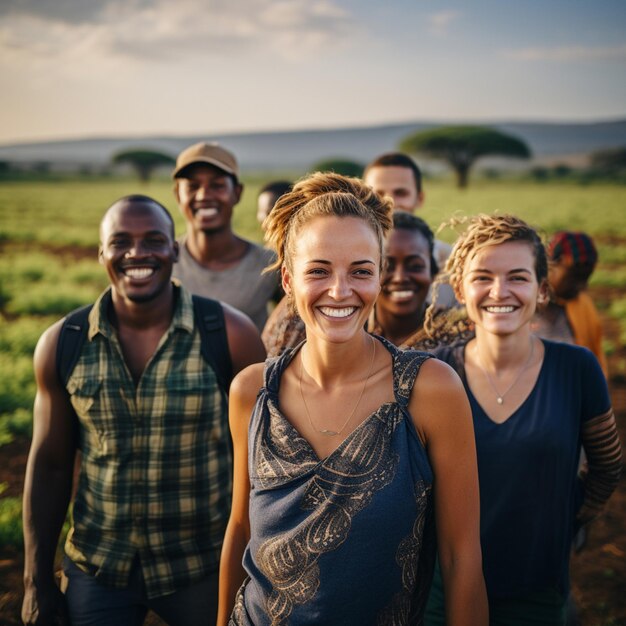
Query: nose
[(398, 275), (340, 288), (202, 192), (137, 249), (498, 288)]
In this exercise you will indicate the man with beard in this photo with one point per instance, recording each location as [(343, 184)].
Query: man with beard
[(148, 413), (214, 261)]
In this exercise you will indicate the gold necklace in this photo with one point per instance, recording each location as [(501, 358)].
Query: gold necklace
[(500, 396), (326, 431)]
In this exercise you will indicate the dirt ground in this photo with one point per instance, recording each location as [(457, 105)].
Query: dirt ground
[(598, 571)]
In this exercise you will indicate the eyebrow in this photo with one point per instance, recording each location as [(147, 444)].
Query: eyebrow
[(125, 233), (517, 270), (325, 262)]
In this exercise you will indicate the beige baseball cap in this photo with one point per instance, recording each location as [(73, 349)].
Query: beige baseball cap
[(211, 153)]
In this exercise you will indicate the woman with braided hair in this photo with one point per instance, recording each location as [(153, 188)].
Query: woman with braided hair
[(534, 403), (349, 453)]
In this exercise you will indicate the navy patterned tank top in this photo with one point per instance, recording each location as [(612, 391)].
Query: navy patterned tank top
[(346, 540)]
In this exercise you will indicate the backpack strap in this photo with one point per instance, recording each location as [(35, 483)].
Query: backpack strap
[(71, 338), (209, 316)]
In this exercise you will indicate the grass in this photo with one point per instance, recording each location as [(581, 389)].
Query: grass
[(597, 209), (10, 521), (48, 266), (68, 213), (49, 239)]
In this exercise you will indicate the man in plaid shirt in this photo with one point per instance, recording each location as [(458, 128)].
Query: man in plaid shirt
[(150, 420)]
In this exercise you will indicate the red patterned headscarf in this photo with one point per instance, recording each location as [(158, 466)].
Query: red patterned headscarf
[(575, 247)]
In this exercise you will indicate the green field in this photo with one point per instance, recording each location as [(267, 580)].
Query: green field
[(49, 237)]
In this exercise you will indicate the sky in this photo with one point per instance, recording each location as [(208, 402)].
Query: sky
[(103, 68)]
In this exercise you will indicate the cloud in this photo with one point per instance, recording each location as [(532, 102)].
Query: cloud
[(141, 30), (567, 54), (439, 22), (72, 11)]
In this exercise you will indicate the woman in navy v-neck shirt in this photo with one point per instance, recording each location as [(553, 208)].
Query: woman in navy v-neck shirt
[(534, 404)]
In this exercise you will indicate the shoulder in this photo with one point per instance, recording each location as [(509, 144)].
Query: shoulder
[(581, 303), (438, 401), (572, 359), (557, 351), (236, 320), (259, 252), (238, 324), (244, 339), (436, 379), (247, 384), (45, 362), (45, 351)]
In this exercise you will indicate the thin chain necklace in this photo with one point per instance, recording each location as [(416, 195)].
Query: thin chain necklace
[(500, 396), (326, 431)]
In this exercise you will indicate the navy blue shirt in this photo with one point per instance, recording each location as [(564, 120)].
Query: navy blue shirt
[(527, 469)]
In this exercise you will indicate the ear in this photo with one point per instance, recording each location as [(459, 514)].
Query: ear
[(458, 293), (176, 248), (285, 278), (543, 294), (420, 199), (100, 255), (176, 192), (237, 191)]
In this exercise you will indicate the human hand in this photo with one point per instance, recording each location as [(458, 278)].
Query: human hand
[(44, 605)]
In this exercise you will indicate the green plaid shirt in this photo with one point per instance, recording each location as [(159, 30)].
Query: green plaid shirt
[(155, 479)]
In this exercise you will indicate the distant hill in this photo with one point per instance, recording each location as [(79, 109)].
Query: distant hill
[(265, 151)]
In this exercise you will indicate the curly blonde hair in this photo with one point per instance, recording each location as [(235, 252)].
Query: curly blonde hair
[(323, 194), (482, 231)]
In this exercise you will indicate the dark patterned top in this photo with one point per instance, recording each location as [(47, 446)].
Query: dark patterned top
[(348, 539)]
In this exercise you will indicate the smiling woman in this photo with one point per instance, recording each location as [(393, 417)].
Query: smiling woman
[(330, 455), (533, 403), (409, 271)]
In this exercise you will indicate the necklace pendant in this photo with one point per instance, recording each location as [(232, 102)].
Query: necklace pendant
[(500, 400), (329, 433)]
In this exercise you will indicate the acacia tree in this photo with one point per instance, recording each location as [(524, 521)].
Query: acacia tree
[(144, 162), (461, 146)]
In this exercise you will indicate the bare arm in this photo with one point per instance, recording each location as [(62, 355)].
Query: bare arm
[(244, 340), (48, 483), (604, 461), (443, 418), (242, 397)]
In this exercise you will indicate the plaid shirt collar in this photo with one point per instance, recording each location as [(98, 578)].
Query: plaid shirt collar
[(183, 317)]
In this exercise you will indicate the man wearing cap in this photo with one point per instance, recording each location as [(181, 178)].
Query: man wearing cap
[(214, 261)]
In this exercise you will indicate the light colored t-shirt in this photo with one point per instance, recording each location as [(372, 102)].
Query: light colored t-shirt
[(242, 285)]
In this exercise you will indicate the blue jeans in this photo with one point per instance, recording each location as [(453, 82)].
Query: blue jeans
[(90, 603)]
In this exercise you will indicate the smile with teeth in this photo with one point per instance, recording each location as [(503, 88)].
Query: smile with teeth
[(138, 272), (206, 213), (500, 309), (401, 295), (333, 312)]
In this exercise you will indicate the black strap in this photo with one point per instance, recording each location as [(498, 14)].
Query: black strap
[(71, 338), (209, 317)]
